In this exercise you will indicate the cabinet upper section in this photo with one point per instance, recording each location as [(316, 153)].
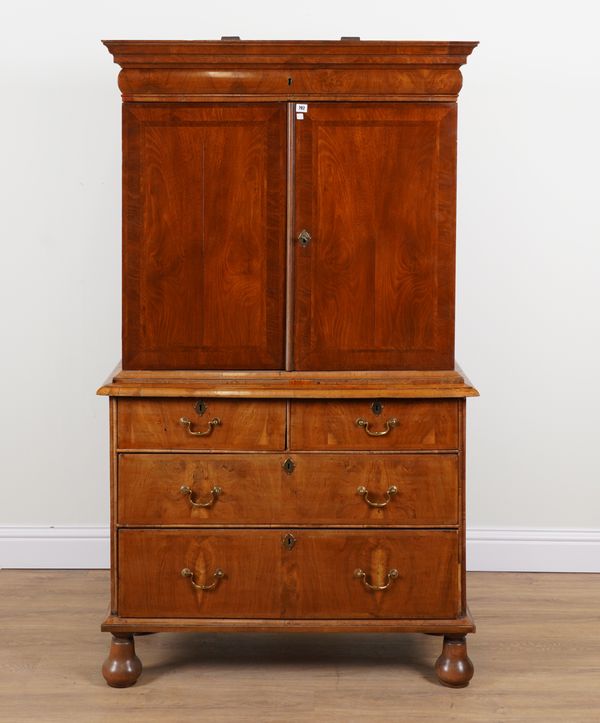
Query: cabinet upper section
[(165, 70)]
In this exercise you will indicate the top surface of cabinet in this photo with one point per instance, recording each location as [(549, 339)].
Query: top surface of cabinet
[(166, 70)]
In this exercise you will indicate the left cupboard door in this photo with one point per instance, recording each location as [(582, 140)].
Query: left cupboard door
[(204, 229)]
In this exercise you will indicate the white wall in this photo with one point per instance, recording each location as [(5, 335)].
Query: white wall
[(528, 297)]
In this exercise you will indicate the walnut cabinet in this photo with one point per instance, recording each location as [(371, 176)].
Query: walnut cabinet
[(288, 421)]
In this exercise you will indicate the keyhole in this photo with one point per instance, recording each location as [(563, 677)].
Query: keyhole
[(377, 407), (289, 81)]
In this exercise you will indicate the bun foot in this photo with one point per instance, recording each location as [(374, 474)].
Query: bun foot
[(454, 667), (122, 667)]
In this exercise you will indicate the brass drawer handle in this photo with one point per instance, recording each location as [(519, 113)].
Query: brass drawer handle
[(391, 491), (187, 423), (391, 576), (214, 493), (389, 425), (218, 574)]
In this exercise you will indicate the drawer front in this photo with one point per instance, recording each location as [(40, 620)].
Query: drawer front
[(322, 578), (236, 489), (322, 574), (178, 424), (401, 424), (299, 489), (151, 583)]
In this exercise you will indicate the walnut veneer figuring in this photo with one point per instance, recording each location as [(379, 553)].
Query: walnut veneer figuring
[(288, 425)]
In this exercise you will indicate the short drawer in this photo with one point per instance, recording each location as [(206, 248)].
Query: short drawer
[(399, 424), (216, 425), (296, 489), (288, 574)]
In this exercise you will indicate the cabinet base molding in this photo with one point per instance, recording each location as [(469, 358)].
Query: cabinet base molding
[(117, 625)]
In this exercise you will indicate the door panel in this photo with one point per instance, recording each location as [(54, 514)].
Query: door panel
[(204, 236), (375, 188)]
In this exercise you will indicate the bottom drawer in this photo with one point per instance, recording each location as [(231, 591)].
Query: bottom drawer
[(288, 574)]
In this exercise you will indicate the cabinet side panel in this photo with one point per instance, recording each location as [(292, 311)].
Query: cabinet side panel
[(113, 412)]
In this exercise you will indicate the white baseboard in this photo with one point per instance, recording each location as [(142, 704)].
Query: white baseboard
[(500, 550), (522, 550), (54, 547)]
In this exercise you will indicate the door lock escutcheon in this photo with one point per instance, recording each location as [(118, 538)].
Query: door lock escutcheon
[(304, 238)]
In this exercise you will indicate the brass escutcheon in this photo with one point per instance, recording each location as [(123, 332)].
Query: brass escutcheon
[(288, 541), (289, 465), (377, 407), (200, 406), (304, 238)]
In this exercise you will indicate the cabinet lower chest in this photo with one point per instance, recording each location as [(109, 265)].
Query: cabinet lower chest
[(287, 509)]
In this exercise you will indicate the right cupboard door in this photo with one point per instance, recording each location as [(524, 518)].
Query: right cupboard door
[(375, 187)]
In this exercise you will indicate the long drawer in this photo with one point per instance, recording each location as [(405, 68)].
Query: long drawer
[(186, 424), (295, 489), (288, 574), (389, 424)]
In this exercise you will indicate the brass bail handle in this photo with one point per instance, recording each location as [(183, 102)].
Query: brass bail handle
[(390, 492), (391, 576), (187, 423), (214, 494), (218, 574), (389, 425)]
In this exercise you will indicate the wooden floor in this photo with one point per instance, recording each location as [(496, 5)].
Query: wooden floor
[(536, 656)]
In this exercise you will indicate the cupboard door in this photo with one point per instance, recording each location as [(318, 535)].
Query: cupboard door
[(204, 236), (375, 189)]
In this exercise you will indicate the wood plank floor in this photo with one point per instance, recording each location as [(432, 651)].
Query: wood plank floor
[(536, 656)]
